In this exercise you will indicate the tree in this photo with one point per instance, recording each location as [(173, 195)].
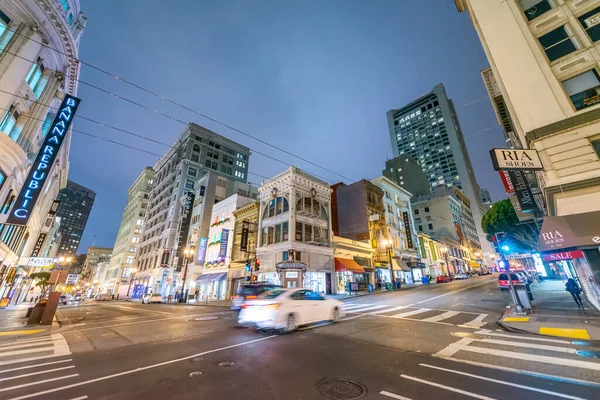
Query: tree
[(503, 218), (40, 279)]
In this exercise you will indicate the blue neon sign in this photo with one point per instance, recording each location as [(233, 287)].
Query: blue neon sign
[(42, 165)]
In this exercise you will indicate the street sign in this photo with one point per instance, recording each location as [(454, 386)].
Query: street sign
[(244, 240), (516, 159), (40, 262), (523, 191)]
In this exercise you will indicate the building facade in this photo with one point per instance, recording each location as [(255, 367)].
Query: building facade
[(428, 130), (246, 216), (96, 257), (295, 237), (34, 78), (406, 172), (486, 199), (75, 206), (353, 265), (544, 56), (122, 262), (160, 254)]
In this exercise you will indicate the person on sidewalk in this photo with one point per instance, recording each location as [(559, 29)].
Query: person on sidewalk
[(571, 287)]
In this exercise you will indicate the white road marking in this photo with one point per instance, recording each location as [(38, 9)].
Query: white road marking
[(449, 293), (387, 310), (36, 373), (363, 309), (80, 398), (144, 310), (529, 345), (409, 313), (534, 357), (353, 317), (523, 337), (35, 365), (38, 382), (19, 345), (477, 322), (129, 323), (470, 394), (352, 306), (26, 351), (22, 360), (393, 395), (139, 369), (453, 348), (61, 347), (566, 396), (440, 317)]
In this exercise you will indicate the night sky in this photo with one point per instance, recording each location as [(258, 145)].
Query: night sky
[(314, 77)]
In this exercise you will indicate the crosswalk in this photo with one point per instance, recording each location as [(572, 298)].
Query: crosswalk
[(422, 314), (33, 362)]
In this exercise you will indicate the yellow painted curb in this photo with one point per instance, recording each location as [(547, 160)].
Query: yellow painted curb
[(563, 332), (28, 332), (516, 319)]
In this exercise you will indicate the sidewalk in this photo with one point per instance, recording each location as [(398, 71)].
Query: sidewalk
[(343, 296), (556, 314)]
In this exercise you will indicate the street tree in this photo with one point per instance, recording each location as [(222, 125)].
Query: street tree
[(503, 218), (40, 279)]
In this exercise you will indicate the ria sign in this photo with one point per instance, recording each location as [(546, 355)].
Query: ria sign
[(516, 159), (42, 165)]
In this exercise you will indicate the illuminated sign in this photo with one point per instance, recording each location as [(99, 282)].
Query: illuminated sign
[(224, 243), (41, 262), (43, 162), (38, 245), (202, 250), (186, 217), (407, 230)]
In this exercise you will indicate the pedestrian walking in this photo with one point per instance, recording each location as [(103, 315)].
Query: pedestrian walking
[(571, 287)]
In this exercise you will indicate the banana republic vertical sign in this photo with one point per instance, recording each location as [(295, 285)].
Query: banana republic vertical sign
[(38, 174)]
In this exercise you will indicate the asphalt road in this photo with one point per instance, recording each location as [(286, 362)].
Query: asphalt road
[(429, 342)]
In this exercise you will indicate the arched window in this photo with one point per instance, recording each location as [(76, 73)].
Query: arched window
[(276, 206)]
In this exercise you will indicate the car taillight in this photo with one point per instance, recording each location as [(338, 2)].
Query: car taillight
[(250, 297), (244, 306)]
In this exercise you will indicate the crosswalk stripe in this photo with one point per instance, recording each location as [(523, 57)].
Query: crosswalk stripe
[(529, 345), (437, 318), (351, 306), (27, 351), (388, 310), (36, 373), (20, 346), (449, 388), (409, 313), (477, 322), (37, 382), (359, 310), (35, 365), (535, 338), (533, 357)]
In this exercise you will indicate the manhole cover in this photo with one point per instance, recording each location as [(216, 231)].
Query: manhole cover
[(195, 373), (470, 335), (205, 318), (588, 353), (341, 389), (226, 364)]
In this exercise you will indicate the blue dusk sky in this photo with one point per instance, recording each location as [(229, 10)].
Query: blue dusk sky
[(315, 77)]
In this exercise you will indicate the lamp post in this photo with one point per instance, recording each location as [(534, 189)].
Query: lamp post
[(444, 251), (187, 253), (388, 248), (132, 271)]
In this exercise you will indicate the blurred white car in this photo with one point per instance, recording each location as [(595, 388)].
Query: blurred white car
[(104, 297), (461, 275), (287, 309), (152, 298)]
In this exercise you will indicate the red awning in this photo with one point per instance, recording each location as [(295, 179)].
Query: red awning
[(346, 264)]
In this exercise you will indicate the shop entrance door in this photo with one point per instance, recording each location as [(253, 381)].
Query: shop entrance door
[(291, 278)]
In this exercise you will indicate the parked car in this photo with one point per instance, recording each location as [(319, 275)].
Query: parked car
[(63, 299), (104, 297), (525, 273), (248, 292), (503, 283), (442, 279), (285, 310), (152, 298), (461, 275)]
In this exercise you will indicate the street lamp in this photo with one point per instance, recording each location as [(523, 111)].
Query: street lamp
[(388, 247), (132, 272), (187, 253), (444, 251)]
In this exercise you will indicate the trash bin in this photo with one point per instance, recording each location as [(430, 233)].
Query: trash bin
[(388, 286), (424, 280), (370, 287)]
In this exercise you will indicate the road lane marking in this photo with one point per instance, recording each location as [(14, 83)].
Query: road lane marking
[(537, 339), (566, 396), (27, 351), (449, 388), (35, 365), (61, 347), (440, 317), (36, 373), (363, 309), (393, 395), (22, 360), (142, 310), (477, 322), (80, 398), (527, 373), (570, 333), (449, 293), (409, 313), (534, 357), (351, 306), (128, 323), (452, 348), (529, 345), (387, 310), (32, 344), (25, 332), (132, 371), (37, 382)]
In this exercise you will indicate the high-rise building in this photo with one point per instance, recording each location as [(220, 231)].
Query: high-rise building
[(405, 171), (544, 57), (122, 261), (486, 199), (197, 150), (76, 203), (34, 79), (428, 130)]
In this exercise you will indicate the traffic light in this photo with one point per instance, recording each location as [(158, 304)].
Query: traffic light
[(500, 243), (254, 278), (248, 268), (256, 264)]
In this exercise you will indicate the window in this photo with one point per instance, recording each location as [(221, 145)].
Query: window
[(416, 211), (591, 23), (299, 231), (222, 183), (559, 43), (195, 158), (130, 259), (9, 123), (47, 122), (209, 153), (229, 171), (189, 184), (583, 89), (192, 171), (35, 78), (271, 231), (285, 231), (2, 180), (535, 8), (277, 233), (132, 249), (196, 148), (307, 233), (595, 144), (430, 226), (214, 166), (420, 228), (65, 5), (426, 209), (207, 163), (223, 169)]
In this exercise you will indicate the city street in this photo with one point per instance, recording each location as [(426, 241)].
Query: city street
[(432, 341)]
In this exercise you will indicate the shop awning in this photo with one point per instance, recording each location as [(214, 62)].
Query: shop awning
[(211, 277), (399, 265), (573, 230), (346, 264)]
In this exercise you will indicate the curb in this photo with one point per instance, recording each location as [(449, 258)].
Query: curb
[(380, 292)]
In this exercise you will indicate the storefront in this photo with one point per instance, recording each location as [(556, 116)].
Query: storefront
[(212, 286), (382, 274), (402, 270), (348, 271), (417, 270), (569, 247)]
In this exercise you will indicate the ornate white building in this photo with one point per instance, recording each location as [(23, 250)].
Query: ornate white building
[(39, 41), (295, 241)]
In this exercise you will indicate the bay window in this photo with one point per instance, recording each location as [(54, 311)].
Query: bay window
[(8, 125)]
